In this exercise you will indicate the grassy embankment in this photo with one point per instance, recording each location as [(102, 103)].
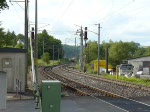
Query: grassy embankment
[(144, 82)]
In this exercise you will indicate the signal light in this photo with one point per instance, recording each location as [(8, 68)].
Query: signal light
[(85, 34), (32, 33), (33, 38)]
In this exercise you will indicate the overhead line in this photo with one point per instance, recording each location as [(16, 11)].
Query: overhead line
[(17, 13), (116, 11)]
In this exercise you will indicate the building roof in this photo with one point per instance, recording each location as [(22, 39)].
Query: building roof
[(137, 57), (12, 50)]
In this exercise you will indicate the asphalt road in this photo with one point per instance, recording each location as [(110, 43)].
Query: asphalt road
[(68, 104)]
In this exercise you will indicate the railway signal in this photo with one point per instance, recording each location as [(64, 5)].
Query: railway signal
[(33, 38), (85, 34)]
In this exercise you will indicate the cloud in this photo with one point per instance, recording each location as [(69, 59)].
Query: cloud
[(126, 20)]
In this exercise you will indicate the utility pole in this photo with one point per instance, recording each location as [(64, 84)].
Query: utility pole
[(26, 42), (98, 49), (58, 53), (53, 54), (75, 50), (81, 50), (26, 39), (36, 40), (106, 58), (43, 46)]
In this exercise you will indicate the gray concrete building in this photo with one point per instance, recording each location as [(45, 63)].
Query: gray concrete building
[(140, 64), (12, 61)]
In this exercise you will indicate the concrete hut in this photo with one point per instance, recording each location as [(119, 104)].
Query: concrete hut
[(12, 61)]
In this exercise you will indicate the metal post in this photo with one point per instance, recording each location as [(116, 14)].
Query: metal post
[(106, 58), (98, 48), (20, 89), (58, 53), (26, 41), (81, 50), (88, 53), (75, 50), (36, 41), (53, 54), (43, 46)]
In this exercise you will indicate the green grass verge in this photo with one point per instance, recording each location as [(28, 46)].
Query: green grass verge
[(144, 82), (41, 63)]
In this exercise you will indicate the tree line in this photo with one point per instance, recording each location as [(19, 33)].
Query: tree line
[(117, 51), (46, 43)]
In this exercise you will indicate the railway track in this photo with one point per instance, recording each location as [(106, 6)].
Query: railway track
[(126, 104), (117, 87), (66, 89), (77, 86)]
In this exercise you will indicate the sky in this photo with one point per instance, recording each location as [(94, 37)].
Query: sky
[(125, 20)]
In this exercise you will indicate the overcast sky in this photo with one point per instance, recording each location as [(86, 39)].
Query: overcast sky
[(125, 20)]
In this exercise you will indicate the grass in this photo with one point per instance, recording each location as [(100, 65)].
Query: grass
[(144, 82), (41, 63)]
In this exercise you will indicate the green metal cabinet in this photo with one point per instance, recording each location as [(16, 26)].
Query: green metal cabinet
[(51, 95)]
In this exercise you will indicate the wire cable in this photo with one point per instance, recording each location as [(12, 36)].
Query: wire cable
[(17, 13), (119, 9)]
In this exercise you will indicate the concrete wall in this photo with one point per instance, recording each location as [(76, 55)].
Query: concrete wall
[(14, 65), (3, 90)]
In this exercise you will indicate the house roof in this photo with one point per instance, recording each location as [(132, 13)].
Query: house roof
[(137, 57), (12, 50)]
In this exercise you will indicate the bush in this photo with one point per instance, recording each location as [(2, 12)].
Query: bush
[(46, 58)]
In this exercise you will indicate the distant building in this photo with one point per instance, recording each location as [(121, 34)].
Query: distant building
[(140, 64), (20, 42)]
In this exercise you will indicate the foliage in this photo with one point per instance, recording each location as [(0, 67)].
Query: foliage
[(7, 38), (2, 37), (120, 51), (20, 45), (91, 51), (46, 43), (3, 5), (71, 51), (46, 58)]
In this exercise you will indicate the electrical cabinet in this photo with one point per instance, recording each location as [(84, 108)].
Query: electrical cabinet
[(51, 95)]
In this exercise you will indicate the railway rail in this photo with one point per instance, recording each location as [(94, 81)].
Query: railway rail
[(117, 87), (126, 104), (65, 87)]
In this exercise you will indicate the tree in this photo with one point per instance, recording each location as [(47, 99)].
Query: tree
[(120, 51), (46, 58), (3, 5), (8, 39), (2, 37), (45, 44), (19, 45), (91, 51)]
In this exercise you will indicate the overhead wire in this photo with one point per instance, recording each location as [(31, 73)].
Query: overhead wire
[(17, 13), (116, 11), (61, 16), (19, 5)]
